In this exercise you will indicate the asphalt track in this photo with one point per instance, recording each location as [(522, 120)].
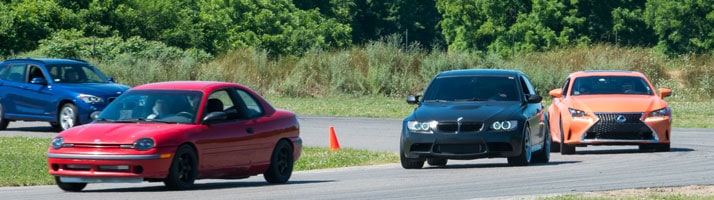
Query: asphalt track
[(593, 168)]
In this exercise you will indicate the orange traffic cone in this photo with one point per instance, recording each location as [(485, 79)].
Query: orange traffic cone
[(334, 145)]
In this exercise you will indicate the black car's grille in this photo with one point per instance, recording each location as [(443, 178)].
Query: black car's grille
[(450, 127), (459, 148), (619, 126)]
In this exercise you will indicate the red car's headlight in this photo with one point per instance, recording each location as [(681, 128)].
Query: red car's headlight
[(660, 113), (144, 144)]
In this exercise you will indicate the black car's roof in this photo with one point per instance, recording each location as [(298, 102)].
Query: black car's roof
[(461, 72), (49, 60)]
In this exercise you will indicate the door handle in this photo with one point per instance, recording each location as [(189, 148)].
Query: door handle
[(249, 130)]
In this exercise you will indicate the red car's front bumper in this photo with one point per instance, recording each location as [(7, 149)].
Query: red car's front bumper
[(93, 166)]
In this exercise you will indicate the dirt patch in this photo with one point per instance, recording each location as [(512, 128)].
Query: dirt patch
[(693, 190)]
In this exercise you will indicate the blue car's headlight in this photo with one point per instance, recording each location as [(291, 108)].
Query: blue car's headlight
[(504, 125), (88, 98), (144, 144), (423, 127), (57, 142)]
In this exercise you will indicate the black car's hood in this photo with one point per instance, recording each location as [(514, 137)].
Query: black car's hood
[(470, 111)]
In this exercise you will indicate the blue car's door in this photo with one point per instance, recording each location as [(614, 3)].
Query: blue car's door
[(39, 97)]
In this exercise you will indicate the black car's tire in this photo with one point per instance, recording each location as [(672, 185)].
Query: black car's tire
[(524, 158), (437, 161), (281, 163), (69, 187), (68, 116), (3, 122), (543, 155), (655, 147), (410, 163), (183, 170)]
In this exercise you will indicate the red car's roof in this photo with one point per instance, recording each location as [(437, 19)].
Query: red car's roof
[(184, 85)]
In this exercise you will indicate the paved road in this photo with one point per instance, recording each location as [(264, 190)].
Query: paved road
[(591, 169)]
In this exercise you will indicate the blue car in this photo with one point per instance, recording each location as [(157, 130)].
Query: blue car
[(63, 92)]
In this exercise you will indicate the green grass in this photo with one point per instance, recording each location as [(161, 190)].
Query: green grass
[(25, 163)]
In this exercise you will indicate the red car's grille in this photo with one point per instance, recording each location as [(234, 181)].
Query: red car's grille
[(82, 145), (619, 126)]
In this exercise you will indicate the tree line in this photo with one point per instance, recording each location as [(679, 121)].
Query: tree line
[(291, 27)]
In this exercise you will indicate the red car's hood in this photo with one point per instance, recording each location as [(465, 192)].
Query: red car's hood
[(125, 133), (618, 103)]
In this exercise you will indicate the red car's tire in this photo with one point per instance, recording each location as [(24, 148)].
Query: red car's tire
[(281, 163), (183, 170), (69, 187)]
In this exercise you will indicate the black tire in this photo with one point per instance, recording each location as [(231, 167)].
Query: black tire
[(69, 187), (655, 147), (410, 163), (3, 122), (524, 158), (281, 163), (437, 161), (183, 170), (554, 146), (68, 116), (565, 149), (543, 155)]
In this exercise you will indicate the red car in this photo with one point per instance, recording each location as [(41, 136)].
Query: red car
[(177, 132)]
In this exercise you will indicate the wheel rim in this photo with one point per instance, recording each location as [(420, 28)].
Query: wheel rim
[(282, 162), (185, 168), (67, 118)]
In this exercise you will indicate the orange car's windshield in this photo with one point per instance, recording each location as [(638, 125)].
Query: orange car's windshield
[(610, 85)]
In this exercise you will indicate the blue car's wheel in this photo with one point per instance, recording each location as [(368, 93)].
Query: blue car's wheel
[(68, 116)]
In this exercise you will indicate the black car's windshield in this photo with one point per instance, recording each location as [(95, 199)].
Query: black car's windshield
[(162, 106), (76, 74), (472, 88), (610, 85)]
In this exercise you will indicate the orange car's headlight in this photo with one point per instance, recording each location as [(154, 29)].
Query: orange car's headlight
[(577, 113), (660, 113)]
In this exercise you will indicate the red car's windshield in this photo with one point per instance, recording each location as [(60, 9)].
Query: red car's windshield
[(154, 105)]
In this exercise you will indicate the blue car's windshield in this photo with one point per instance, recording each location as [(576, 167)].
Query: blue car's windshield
[(76, 73), (166, 106), (472, 88)]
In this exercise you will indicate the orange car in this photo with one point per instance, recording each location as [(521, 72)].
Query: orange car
[(609, 108)]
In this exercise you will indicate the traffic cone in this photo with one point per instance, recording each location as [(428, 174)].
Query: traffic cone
[(334, 145)]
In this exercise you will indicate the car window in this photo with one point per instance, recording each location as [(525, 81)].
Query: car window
[(253, 108), (224, 97), (564, 91), (76, 74), (527, 86), (611, 85), (35, 72), (14, 72), (472, 88), (152, 105)]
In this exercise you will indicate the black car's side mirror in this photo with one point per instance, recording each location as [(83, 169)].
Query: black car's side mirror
[(214, 117), (534, 98), (40, 81), (413, 99)]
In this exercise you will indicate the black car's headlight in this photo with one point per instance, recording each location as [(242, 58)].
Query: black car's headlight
[(422, 127), (88, 98), (57, 142), (504, 125), (660, 113), (144, 144), (577, 113)]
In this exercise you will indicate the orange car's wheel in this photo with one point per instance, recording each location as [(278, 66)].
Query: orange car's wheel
[(69, 187), (554, 146), (565, 149), (655, 147)]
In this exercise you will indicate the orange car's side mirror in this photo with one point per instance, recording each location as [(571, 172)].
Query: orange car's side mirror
[(557, 93), (664, 92)]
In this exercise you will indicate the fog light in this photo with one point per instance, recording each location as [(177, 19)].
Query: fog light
[(95, 115), (114, 168)]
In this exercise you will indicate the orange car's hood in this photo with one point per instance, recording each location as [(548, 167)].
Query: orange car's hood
[(617, 103)]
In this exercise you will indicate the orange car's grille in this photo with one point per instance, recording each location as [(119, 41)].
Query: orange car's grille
[(454, 126), (619, 126)]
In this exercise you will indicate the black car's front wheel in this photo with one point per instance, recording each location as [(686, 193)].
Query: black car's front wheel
[(524, 158), (437, 161), (410, 163), (543, 155), (281, 163), (69, 187), (183, 170)]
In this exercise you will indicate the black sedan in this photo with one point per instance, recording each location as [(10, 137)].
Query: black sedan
[(476, 113)]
